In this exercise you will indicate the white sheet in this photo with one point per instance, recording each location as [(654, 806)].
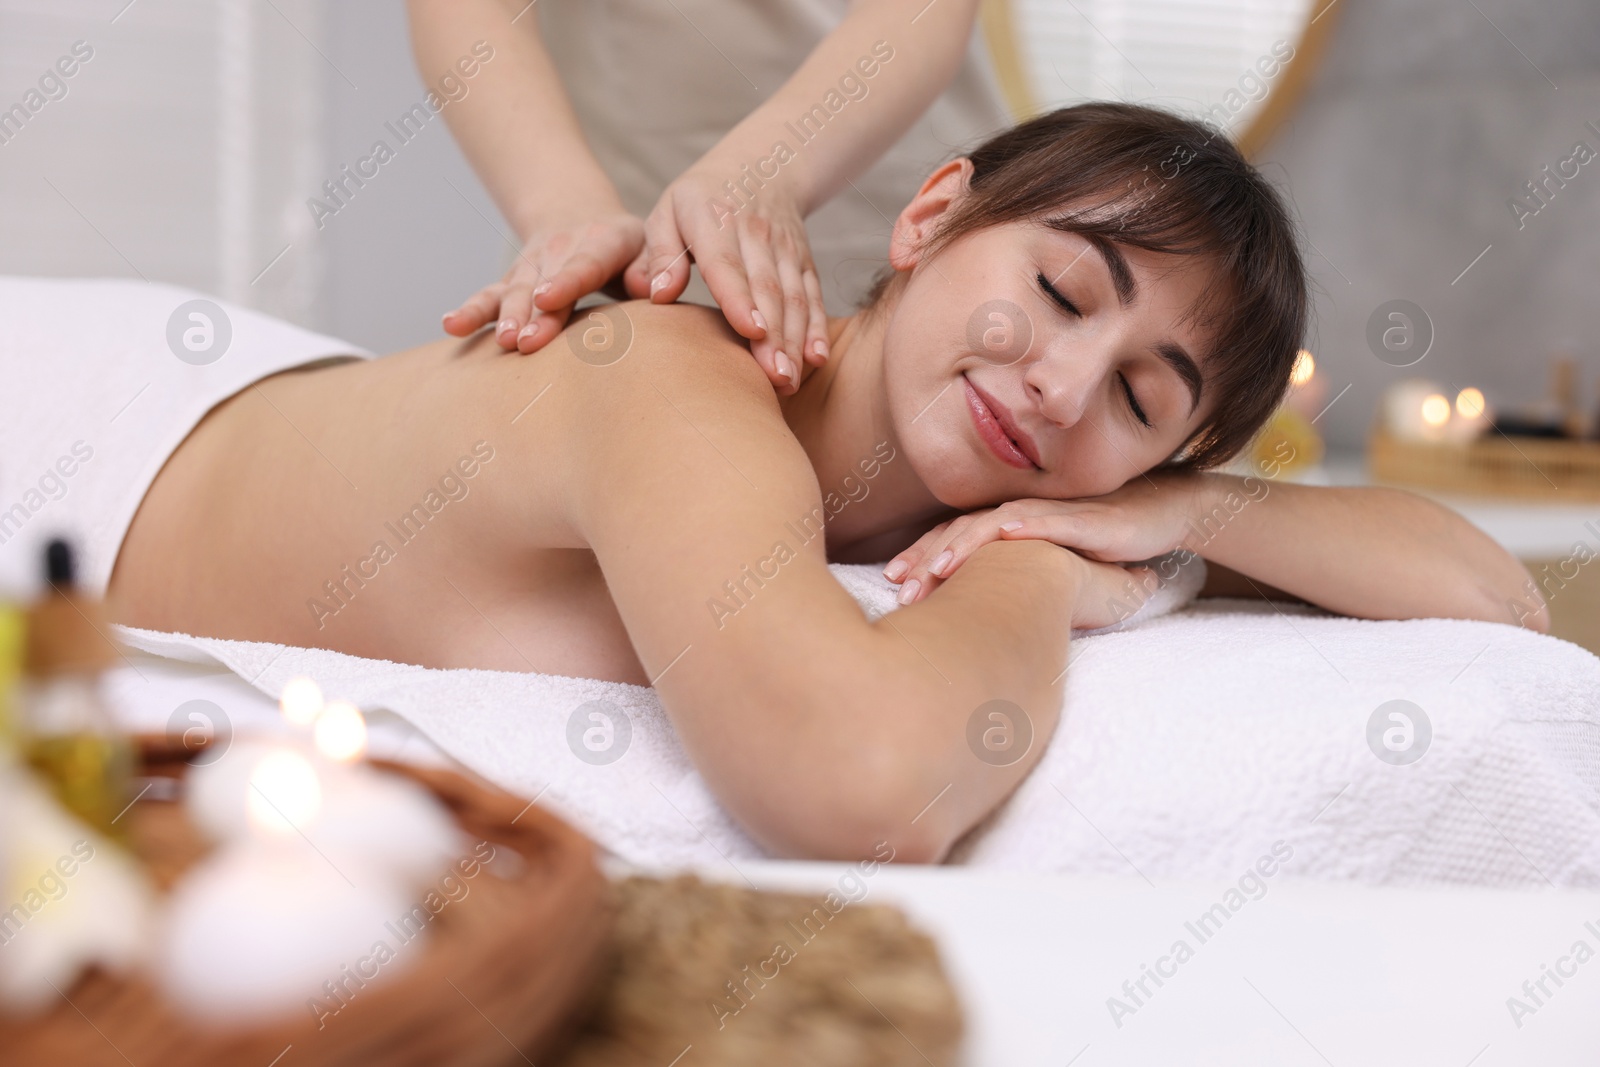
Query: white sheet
[(1190, 743)]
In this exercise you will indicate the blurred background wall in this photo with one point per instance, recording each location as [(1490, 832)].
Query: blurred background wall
[(187, 147), (1425, 119)]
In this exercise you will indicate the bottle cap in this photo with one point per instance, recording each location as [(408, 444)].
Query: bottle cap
[(65, 631)]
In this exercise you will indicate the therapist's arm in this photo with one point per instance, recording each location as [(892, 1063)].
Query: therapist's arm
[(887, 61), (518, 129)]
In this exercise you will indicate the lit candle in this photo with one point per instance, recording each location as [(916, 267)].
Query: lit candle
[(256, 931), (1435, 413), (1415, 410), (1472, 416), (285, 794), (340, 732), (1308, 390), (318, 852), (301, 701), (219, 797), (388, 823)]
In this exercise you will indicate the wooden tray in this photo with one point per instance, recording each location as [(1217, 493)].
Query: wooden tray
[(508, 971), (1494, 465)]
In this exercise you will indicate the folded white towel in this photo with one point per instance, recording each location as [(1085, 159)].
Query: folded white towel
[(1190, 744)]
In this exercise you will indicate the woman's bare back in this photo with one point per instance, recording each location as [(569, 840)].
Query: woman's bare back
[(380, 508)]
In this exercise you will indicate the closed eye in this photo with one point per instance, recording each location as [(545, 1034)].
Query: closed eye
[(1066, 305), (1133, 401), (1055, 294)]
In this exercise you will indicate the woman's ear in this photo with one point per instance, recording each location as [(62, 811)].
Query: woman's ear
[(944, 188)]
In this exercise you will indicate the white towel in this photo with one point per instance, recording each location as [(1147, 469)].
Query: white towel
[(1190, 743)]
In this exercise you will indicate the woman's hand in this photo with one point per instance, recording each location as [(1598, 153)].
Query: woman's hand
[(755, 259), (562, 262), (1145, 518), (1107, 593)]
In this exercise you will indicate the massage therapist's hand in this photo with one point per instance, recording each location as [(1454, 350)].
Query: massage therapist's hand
[(562, 262), (755, 259), (1145, 518)]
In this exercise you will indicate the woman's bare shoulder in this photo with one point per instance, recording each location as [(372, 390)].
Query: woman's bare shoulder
[(681, 341), (628, 368)]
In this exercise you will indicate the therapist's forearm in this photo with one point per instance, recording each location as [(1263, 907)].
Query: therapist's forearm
[(516, 126), (1368, 552), (925, 56)]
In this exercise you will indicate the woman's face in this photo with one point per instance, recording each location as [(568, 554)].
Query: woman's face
[(1021, 361)]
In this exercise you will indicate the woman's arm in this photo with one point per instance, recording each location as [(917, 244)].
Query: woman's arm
[(518, 129), (516, 126), (857, 92), (823, 733), (912, 50), (1370, 552)]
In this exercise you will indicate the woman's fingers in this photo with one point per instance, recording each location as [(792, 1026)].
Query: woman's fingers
[(1093, 536), (580, 274), (767, 290), (938, 560), (516, 308), (542, 329), (901, 565), (479, 308), (817, 325), (796, 314), (667, 256), (579, 263), (913, 567)]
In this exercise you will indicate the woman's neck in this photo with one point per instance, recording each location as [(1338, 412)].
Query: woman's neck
[(840, 415)]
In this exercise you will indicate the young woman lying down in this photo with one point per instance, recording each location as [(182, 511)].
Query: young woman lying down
[(634, 503)]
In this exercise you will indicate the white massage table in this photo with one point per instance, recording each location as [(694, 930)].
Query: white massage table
[(1310, 973)]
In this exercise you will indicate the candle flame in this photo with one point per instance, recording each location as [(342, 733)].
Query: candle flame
[(1435, 410), (1469, 403), (301, 701), (341, 732), (285, 793), (1305, 365)]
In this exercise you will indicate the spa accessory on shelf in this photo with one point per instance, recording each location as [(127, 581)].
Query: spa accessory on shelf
[(68, 735), (1558, 415), (1289, 446)]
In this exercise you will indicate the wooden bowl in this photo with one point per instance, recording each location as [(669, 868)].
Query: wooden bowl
[(506, 973)]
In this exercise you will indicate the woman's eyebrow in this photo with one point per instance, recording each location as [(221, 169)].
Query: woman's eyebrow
[(1178, 358), (1116, 264)]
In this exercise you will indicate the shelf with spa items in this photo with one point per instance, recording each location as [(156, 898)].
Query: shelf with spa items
[(1550, 469), (1548, 451)]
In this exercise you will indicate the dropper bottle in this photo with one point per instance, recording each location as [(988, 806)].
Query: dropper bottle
[(68, 734)]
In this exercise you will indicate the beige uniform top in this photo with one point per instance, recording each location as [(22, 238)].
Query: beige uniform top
[(656, 83)]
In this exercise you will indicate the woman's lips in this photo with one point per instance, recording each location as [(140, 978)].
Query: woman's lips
[(998, 431)]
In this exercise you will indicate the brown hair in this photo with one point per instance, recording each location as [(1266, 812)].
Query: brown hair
[(1155, 180)]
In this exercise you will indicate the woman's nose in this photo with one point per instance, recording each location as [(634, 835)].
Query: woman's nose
[(1062, 386)]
